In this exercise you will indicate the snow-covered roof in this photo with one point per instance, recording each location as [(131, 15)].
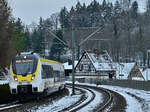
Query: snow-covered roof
[(145, 73), (103, 66), (67, 66), (101, 62), (123, 69)]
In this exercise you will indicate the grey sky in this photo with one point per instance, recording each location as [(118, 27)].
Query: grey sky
[(31, 10)]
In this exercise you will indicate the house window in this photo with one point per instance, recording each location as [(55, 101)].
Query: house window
[(81, 67), (89, 68)]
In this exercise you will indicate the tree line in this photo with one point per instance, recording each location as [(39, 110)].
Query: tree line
[(126, 27)]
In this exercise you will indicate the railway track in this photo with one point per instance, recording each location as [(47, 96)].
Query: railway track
[(110, 101), (80, 103), (8, 106), (110, 98), (24, 106)]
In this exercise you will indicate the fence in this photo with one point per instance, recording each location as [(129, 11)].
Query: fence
[(143, 85)]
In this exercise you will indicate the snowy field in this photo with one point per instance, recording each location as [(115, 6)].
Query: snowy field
[(137, 100), (2, 82)]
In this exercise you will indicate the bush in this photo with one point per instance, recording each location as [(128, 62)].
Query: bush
[(5, 95)]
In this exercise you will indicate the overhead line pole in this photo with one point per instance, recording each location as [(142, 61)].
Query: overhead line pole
[(73, 58)]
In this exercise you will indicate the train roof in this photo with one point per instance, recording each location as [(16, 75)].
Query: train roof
[(49, 61)]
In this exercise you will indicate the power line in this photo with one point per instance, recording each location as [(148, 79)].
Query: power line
[(99, 29), (57, 37)]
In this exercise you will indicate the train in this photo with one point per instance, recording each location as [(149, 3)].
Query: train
[(32, 75)]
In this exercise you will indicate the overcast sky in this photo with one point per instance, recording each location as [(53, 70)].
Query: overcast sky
[(31, 10)]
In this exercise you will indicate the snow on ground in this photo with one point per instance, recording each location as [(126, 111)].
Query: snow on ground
[(98, 99), (2, 82), (58, 105), (67, 101), (93, 104), (137, 100)]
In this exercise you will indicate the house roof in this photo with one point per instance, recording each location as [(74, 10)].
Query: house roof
[(67, 66), (101, 62), (145, 73), (124, 69)]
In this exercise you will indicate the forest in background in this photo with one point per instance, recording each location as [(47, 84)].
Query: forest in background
[(126, 28)]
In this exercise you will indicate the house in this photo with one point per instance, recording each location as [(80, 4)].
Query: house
[(145, 73), (129, 71), (98, 64)]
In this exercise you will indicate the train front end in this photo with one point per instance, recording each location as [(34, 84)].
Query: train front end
[(24, 72)]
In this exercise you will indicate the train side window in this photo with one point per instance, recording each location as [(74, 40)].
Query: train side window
[(57, 76), (47, 71)]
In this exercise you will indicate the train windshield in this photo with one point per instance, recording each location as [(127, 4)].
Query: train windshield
[(24, 65)]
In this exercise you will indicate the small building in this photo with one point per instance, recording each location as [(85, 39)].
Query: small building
[(97, 64), (68, 67), (129, 71), (145, 73)]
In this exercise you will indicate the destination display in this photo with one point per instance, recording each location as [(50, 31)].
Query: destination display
[(24, 61)]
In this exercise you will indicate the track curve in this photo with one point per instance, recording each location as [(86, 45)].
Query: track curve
[(110, 99)]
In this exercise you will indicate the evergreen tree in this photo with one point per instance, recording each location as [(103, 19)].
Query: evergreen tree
[(134, 10), (57, 48), (18, 35), (35, 41), (78, 7), (27, 40), (147, 13), (95, 6), (42, 34), (39, 38), (117, 10), (64, 18), (94, 14), (104, 4), (72, 11), (148, 6)]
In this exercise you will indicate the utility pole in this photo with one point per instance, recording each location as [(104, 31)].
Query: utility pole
[(78, 55), (148, 51), (73, 52)]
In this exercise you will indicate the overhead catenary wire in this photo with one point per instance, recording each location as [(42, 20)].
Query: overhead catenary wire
[(99, 29), (57, 38)]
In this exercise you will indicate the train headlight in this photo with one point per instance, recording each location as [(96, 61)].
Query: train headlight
[(15, 78), (33, 76)]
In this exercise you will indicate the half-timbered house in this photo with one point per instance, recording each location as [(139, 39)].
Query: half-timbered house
[(94, 64)]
